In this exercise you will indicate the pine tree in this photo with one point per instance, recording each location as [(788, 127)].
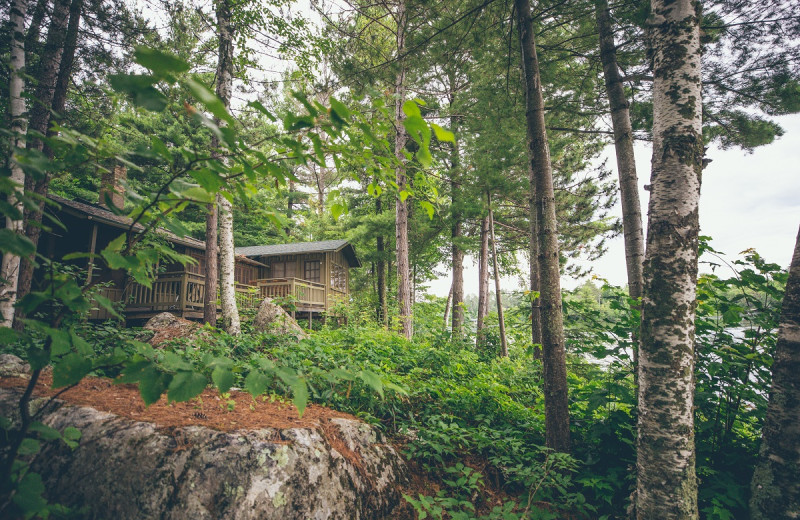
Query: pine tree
[(776, 480)]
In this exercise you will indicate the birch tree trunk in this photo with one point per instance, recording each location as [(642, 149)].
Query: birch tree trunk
[(666, 481), (211, 275), (553, 353), (498, 296), (47, 75), (626, 163), (401, 206), (776, 480), (483, 281), (230, 313), (9, 271)]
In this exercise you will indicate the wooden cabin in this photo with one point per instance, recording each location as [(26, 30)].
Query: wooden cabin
[(314, 274)]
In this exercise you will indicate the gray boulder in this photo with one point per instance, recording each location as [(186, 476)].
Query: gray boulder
[(167, 326), (12, 366), (124, 469), (273, 318)]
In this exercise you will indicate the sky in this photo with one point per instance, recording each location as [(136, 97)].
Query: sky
[(747, 200)]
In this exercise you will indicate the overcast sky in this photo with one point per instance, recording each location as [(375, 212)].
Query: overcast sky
[(747, 200)]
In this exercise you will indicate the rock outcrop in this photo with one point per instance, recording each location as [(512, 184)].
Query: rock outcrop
[(126, 469), (273, 318), (166, 326)]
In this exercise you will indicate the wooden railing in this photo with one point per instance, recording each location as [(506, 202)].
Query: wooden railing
[(305, 293), (181, 291), (101, 313)]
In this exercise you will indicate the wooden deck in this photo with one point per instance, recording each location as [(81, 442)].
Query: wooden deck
[(182, 294)]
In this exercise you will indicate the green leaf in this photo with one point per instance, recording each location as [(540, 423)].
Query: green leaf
[(81, 345), (72, 433), (427, 206), (337, 210), (186, 385), (175, 362), (141, 90), (223, 378), (158, 61), (442, 134), (373, 380), (70, 369), (152, 384), (339, 112), (15, 243), (424, 156), (29, 446), (418, 130), (210, 100), (28, 497), (45, 432), (411, 109), (261, 108), (256, 383), (160, 148)]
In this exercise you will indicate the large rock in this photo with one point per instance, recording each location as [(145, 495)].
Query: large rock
[(167, 326), (12, 366), (124, 469), (273, 318)]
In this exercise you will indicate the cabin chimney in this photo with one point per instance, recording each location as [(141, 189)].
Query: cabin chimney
[(111, 186)]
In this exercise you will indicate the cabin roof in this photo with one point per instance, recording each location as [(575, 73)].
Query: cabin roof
[(344, 246), (103, 215), (248, 254)]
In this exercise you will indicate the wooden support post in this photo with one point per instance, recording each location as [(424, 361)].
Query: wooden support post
[(92, 247)]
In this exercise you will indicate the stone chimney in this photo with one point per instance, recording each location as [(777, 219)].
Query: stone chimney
[(111, 186)]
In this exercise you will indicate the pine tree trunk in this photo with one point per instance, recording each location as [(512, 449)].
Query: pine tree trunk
[(483, 280), (383, 314), (498, 295), (35, 30), (211, 275), (9, 271), (49, 66), (456, 229), (227, 257), (535, 282), (666, 482), (776, 480), (553, 353), (447, 305), (626, 163), (67, 58), (401, 207)]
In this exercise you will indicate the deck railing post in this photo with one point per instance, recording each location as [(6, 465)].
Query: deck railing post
[(183, 296)]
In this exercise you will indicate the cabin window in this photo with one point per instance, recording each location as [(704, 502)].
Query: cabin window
[(338, 278), (312, 269), (282, 269)]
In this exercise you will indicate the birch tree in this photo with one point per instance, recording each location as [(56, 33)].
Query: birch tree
[(776, 480), (666, 481), (230, 313), (553, 352), (9, 272)]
